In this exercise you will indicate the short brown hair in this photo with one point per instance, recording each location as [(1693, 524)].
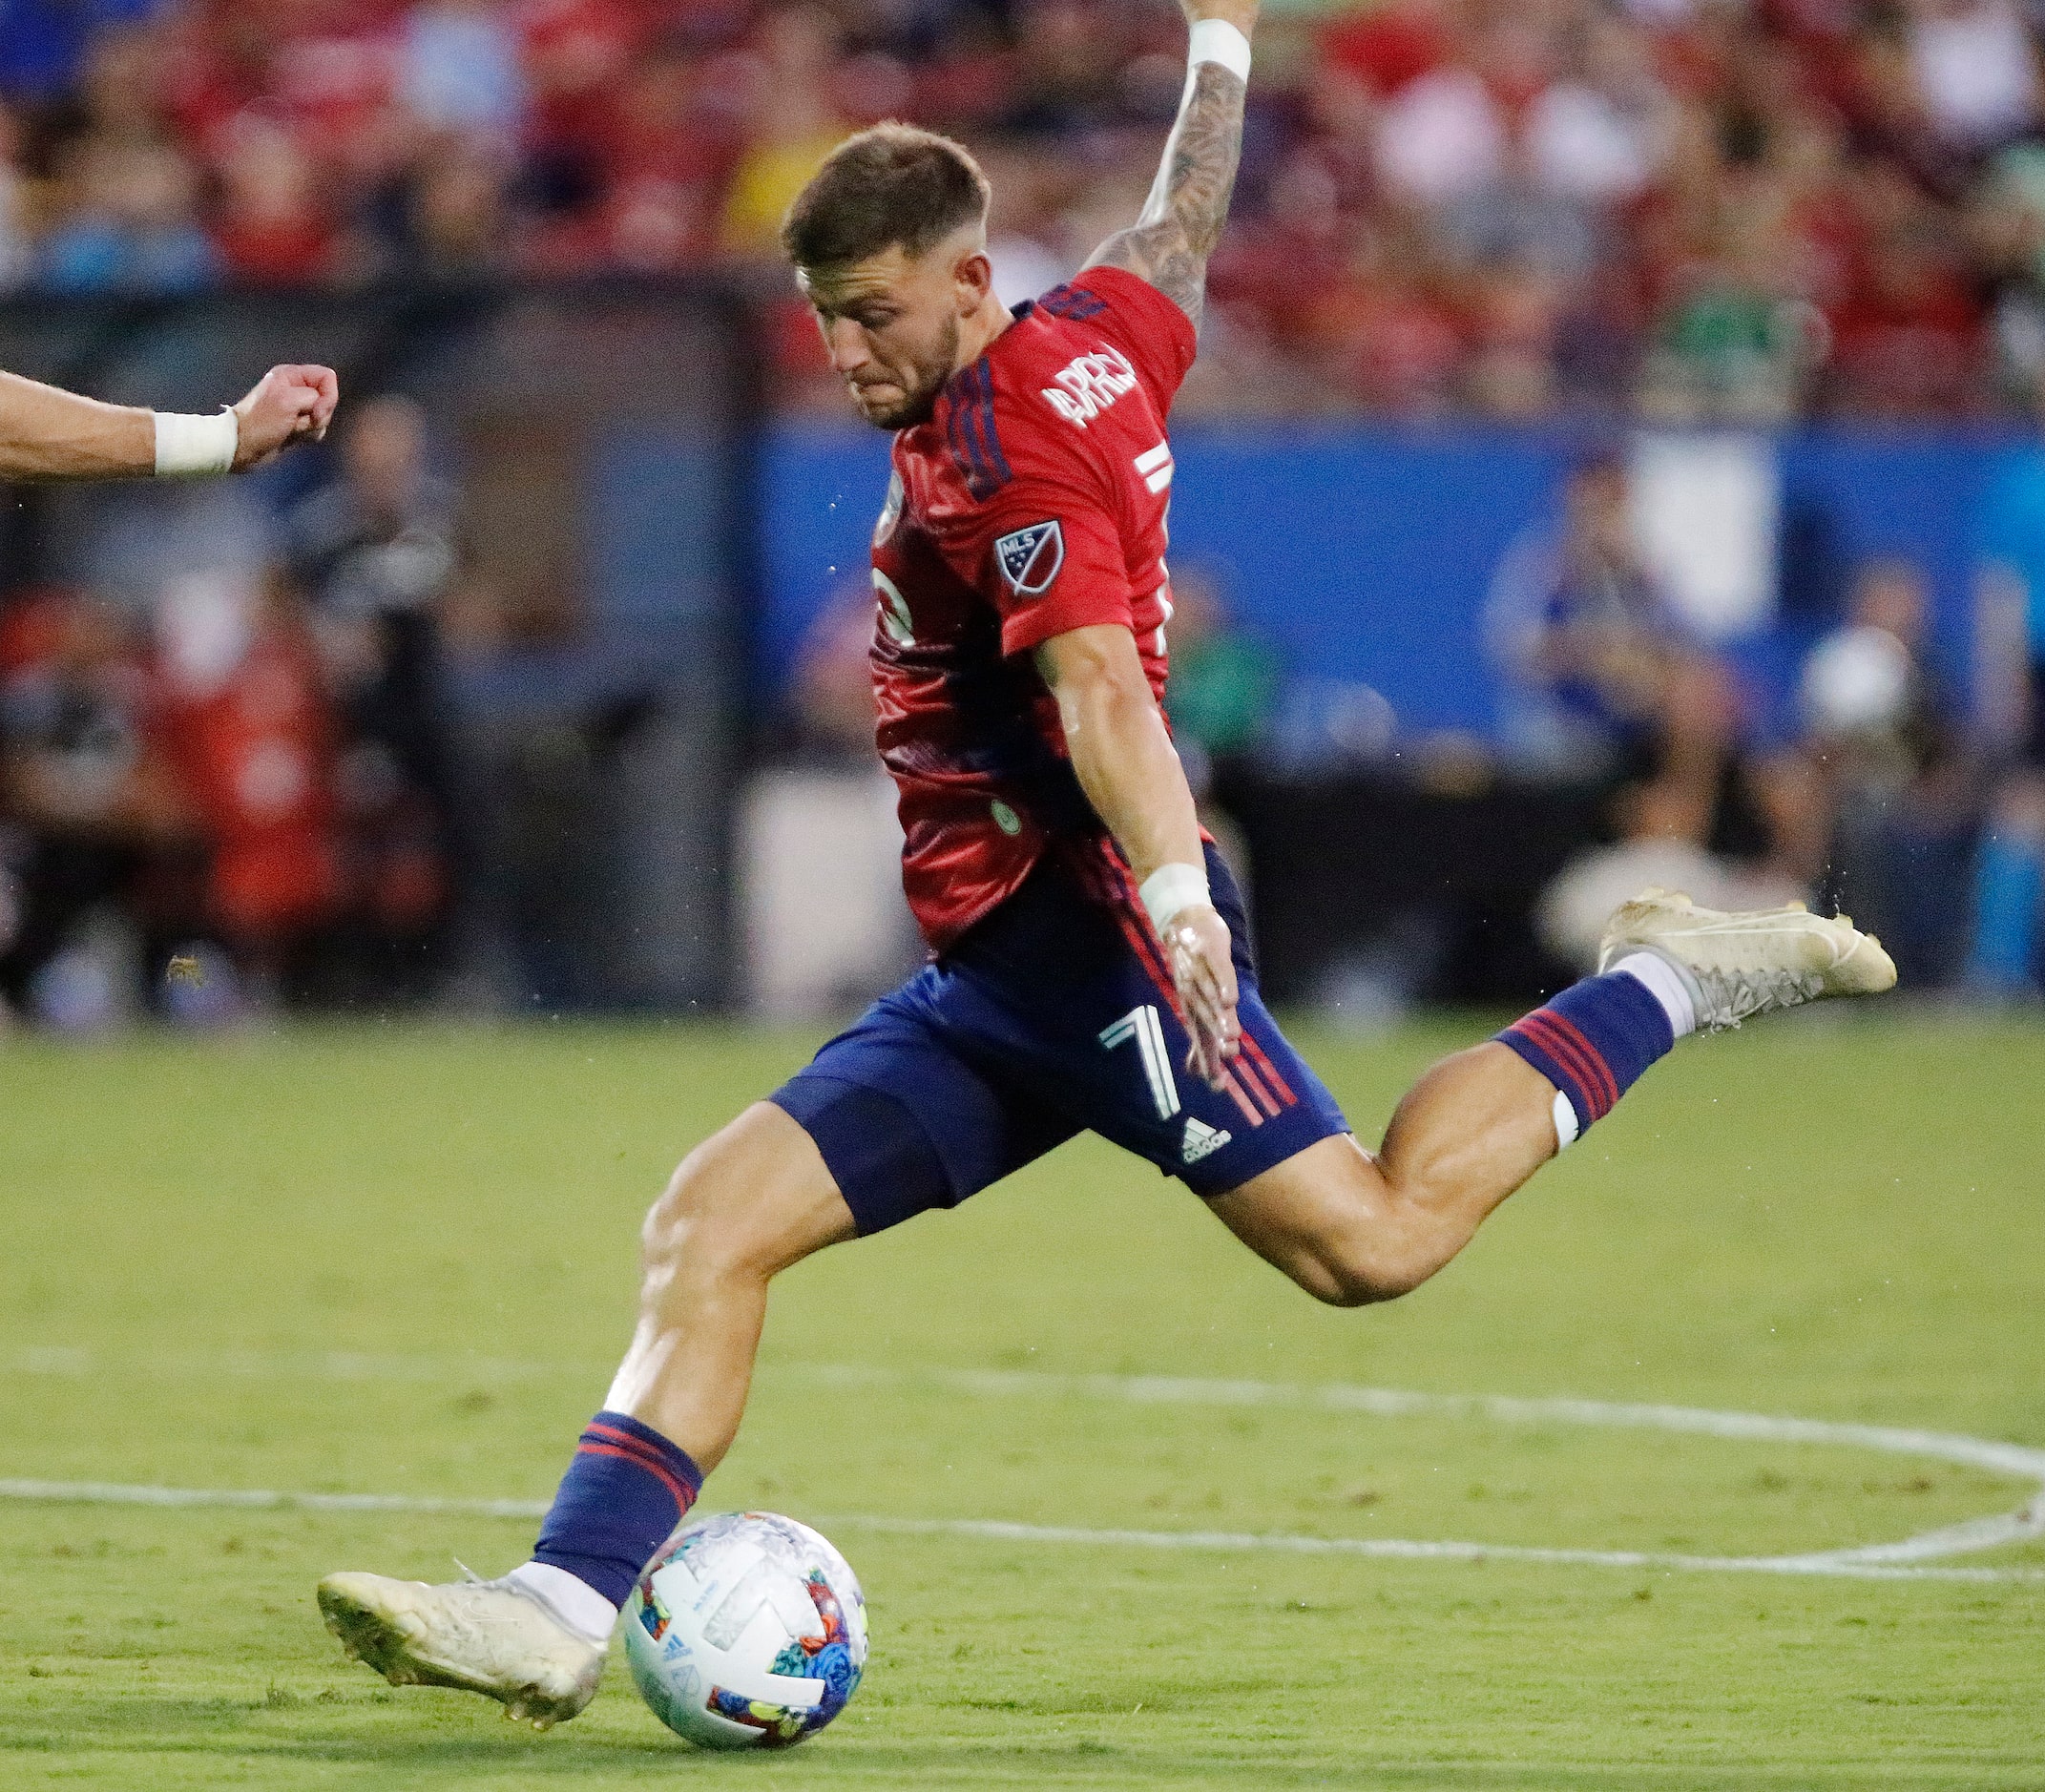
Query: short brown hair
[(891, 183)]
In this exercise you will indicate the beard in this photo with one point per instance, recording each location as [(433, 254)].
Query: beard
[(925, 378)]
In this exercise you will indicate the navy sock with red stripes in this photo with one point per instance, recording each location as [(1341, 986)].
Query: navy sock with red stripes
[(1593, 1040), (626, 1488)]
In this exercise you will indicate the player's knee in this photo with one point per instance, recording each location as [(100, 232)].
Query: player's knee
[(1363, 1279), (729, 1211), (1362, 1269), (698, 1226)]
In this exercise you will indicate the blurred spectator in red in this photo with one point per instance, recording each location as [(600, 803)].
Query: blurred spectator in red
[(1389, 46), (573, 55), (271, 228), (1385, 328), (1908, 338), (663, 158), (1287, 265), (251, 734)]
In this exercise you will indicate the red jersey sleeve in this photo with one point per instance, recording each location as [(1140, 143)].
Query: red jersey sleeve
[(1049, 557), (1157, 336)]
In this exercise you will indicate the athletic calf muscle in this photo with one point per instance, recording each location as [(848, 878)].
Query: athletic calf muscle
[(1353, 1230)]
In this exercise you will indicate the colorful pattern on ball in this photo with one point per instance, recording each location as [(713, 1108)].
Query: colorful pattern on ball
[(746, 1630)]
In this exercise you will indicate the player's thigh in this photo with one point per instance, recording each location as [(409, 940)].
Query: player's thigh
[(755, 1195), (906, 1117)]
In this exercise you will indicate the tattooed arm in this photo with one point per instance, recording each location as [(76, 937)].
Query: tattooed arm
[(1169, 244)]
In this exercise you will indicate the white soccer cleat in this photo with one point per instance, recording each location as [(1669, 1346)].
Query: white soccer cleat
[(488, 1636), (1755, 962)]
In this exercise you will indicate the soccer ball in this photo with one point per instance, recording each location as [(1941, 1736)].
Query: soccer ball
[(747, 1631)]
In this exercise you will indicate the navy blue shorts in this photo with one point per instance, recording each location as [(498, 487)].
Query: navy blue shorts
[(1052, 1016)]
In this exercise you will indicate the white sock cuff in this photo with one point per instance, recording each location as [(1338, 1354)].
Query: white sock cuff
[(1666, 985), (573, 1600), (1565, 1123)]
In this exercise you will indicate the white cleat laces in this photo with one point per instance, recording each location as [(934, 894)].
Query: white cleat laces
[(1748, 963)]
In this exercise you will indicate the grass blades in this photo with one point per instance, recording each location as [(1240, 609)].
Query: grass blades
[(401, 1261)]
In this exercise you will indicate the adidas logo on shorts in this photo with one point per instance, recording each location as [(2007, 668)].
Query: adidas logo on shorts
[(1201, 1140)]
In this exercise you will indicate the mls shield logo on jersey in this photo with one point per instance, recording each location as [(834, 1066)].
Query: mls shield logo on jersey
[(1030, 557)]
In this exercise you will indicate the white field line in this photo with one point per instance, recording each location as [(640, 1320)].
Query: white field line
[(995, 1530), (1898, 1560), (260, 1499), (290, 1365)]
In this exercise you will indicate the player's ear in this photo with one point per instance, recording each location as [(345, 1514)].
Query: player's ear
[(972, 279)]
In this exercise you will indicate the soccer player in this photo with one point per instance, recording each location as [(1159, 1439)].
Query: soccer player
[(47, 433), (1089, 963)]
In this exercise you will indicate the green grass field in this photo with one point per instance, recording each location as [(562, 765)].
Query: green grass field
[(401, 1262)]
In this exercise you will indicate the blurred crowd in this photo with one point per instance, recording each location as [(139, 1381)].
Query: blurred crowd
[(1697, 208), (1873, 789), (1674, 210), (240, 795)]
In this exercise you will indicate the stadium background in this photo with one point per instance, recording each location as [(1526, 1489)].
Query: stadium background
[(1614, 458), (564, 707)]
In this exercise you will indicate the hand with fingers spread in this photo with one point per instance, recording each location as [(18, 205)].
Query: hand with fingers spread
[(287, 405), (1203, 969)]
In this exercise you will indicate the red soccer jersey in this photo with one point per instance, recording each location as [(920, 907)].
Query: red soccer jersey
[(1031, 504)]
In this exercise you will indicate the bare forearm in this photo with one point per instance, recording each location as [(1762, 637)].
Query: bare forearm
[(46, 434), (1132, 776), (1188, 206), (1123, 755)]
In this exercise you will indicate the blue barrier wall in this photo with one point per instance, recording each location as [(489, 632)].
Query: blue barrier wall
[(1365, 553)]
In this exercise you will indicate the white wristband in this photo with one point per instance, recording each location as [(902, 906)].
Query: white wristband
[(191, 447), (1216, 40), (1170, 887)]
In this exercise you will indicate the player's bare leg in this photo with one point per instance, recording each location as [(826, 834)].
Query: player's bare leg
[(1350, 1228), (744, 1205)]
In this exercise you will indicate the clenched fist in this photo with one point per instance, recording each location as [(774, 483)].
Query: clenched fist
[(288, 404)]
